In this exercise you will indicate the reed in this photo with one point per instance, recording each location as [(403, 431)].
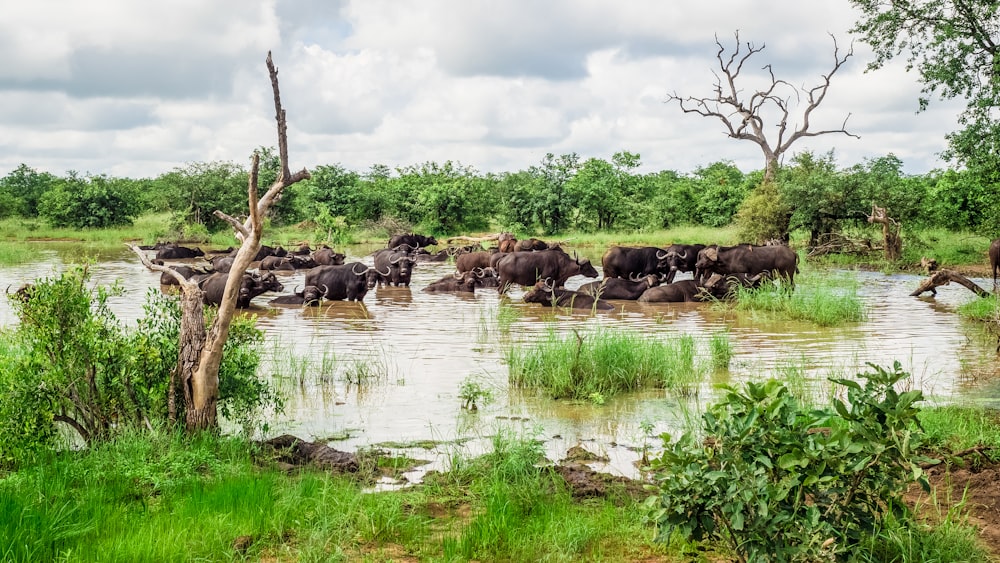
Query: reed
[(721, 348), (605, 362), (827, 300)]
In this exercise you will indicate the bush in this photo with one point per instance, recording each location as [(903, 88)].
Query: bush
[(779, 482), (91, 202)]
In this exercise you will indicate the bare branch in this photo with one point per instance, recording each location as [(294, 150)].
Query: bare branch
[(241, 231), (157, 267)]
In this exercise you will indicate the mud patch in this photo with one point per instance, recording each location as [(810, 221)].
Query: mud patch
[(977, 485), (585, 482)]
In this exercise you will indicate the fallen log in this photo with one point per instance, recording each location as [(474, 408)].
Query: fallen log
[(463, 238), (944, 277)]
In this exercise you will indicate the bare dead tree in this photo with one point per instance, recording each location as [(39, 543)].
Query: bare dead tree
[(743, 118), (200, 354), (890, 232)]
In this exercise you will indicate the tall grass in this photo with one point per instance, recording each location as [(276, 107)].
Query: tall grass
[(826, 300), (982, 309), (605, 362)]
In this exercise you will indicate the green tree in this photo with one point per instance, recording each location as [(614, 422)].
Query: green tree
[(722, 188), (515, 194), (90, 202), (819, 198), (954, 46), (449, 197), (200, 188), (336, 191), (596, 194), (553, 208), (21, 190)]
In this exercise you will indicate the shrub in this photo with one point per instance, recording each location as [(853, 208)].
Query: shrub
[(777, 481)]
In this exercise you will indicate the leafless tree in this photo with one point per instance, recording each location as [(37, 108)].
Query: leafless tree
[(200, 353), (743, 117)]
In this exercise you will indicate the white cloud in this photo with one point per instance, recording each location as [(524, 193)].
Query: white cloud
[(137, 89)]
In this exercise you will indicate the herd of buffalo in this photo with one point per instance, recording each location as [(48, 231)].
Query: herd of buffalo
[(645, 274)]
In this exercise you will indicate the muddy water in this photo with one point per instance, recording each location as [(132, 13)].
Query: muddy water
[(388, 371)]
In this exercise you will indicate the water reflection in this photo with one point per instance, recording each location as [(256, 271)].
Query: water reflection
[(390, 368)]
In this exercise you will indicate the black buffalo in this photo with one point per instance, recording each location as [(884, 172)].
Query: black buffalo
[(189, 272), (724, 286), (544, 294), (310, 295), (287, 263), (440, 256), (459, 282), (530, 244), (174, 252), (472, 260), (399, 264), (683, 291), (414, 241), (631, 262), (327, 257), (618, 288), (527, 268), (681, 258), (252, 285), (349, 282), (223, 264), (748, 259)]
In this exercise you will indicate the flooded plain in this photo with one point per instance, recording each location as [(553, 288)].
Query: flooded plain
[(388, 372)]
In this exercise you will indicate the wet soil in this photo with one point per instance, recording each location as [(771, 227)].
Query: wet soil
[(977, 485)]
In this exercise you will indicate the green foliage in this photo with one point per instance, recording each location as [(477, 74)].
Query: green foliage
[(721, 188), (90, 202), (243, 396), (764, 215), (953, 47), (827, 301), (69, 361), (472, 392), (195, 192), (779, 482), (21, 190)]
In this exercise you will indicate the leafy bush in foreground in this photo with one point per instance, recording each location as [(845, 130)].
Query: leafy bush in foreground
[(778, 482)]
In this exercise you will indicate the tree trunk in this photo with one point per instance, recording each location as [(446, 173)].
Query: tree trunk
[(200, 354), (893, 243)]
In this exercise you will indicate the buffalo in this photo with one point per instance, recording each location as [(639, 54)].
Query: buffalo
[(545, 294), (618, 288), (681, 258), (252, 285), (723, 286), (349, 282), (506, 243), (399, 265), (287, 263), (472, 260), (174, 252), (223, 264), (629, 262), (530, 244), (327, 257), (526, 268), (414, 241), (684, 291), (459, 282), (439, 256), (310, 295), (748, 259), (188, 272), (995, 258)]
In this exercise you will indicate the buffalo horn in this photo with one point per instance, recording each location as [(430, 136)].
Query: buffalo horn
[(665, 254), (458, 275), (354, 270)]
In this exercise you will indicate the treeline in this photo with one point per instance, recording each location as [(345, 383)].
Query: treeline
[(559, 194)]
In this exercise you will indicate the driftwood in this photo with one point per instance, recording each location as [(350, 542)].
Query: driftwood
[(473, 239), (944, 277)]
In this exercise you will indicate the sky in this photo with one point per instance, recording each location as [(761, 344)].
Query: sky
[(138, 89)]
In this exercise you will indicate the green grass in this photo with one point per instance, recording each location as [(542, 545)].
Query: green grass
[(955, 428), (605, 362), (167, 498), (981, 309), (826, 300)]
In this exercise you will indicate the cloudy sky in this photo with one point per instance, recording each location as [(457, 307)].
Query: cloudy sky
[(137, 89)]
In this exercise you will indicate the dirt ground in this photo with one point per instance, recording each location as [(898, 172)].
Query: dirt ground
[(977, 485)]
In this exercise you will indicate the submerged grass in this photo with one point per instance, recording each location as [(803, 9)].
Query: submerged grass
[(827, 300), (605, 362)]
